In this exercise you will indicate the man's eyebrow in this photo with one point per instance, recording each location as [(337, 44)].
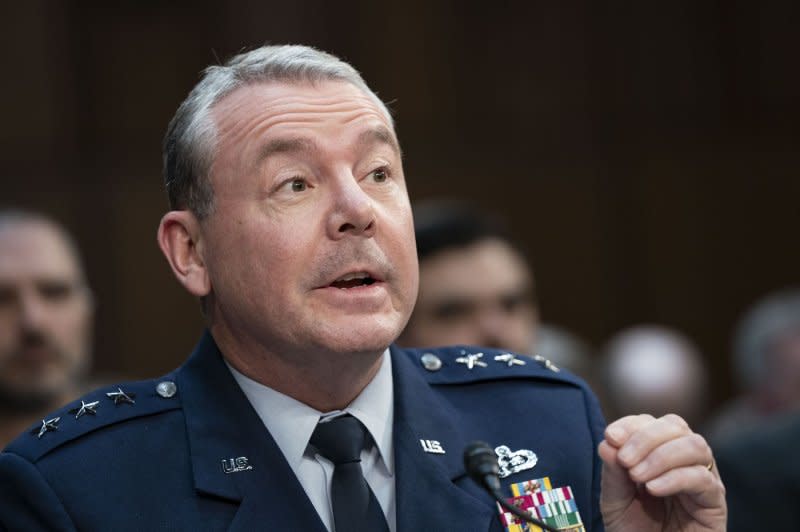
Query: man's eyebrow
[(379, 135)]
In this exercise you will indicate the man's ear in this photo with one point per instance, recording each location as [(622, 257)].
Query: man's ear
[(179, 240)]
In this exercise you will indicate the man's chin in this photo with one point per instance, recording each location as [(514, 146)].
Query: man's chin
[(29, 400), (360, 337)]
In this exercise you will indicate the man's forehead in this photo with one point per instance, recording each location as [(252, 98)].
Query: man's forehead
[(33, 248), (292, 144), (297, 102), (484, 267)]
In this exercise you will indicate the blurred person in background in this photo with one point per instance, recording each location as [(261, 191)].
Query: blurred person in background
[(565, 349), (655, 370), (46, 315), (766, 359), (476, 286)]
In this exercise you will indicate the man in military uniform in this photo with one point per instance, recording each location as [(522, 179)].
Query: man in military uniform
[(291, 223)]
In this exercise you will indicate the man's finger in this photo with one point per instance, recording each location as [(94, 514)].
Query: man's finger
[(685, 451), (704, 487), (644, 437)]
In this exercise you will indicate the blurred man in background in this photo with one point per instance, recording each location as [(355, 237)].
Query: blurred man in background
[(45, 320), (766, 359), (756, 434), (476, 286), (654, 370)]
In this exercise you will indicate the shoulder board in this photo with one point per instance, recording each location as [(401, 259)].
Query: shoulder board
[(98, 409), (462, 364)]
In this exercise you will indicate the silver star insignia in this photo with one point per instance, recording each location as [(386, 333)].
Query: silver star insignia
[(472, 360), (85, 408), (510, 359), (47, 426), (546, 363), (121, 397)]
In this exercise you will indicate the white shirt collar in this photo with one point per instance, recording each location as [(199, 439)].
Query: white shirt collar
[(291, 422)]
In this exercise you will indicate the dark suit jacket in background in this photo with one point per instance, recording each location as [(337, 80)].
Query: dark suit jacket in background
[(761, 471), (158, 464)]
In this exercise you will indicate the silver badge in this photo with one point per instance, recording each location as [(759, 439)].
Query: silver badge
[(431, 362), (48, 425), (514, 462), (472, 360), (510, 359), (166, 389), (432, 446), (121, 397), (546, 363), (236, 465), (85, 408)]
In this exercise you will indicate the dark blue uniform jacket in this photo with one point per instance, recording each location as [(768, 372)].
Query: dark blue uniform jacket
[(164, 463)]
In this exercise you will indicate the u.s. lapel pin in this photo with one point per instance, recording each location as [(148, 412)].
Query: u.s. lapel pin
[(432, 446), (236, 465)]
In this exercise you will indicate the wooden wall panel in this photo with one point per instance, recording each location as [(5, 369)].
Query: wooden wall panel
[(646, 152)]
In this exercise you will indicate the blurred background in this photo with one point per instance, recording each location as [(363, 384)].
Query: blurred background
[(645, 153)]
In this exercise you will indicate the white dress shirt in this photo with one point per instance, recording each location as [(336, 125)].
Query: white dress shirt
[(291, 424)]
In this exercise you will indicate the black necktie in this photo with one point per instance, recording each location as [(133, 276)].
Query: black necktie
[(355, 508)]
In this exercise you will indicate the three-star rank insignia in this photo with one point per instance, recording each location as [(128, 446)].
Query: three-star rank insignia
[(85, 408), (546, 363), (471, 360), (510, 359), (48, 425), (120, 397), (555, 507)]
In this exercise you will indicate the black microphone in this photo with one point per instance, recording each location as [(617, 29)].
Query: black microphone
[(481, 464)]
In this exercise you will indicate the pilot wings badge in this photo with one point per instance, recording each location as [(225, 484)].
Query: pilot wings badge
[(511, 462)]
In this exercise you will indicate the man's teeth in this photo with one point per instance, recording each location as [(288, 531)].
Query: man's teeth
[(351, 276)]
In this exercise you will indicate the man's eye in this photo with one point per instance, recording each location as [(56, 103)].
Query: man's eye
[(452, 310), (7, 296), (55, 291), (298, 185), (380, 175)]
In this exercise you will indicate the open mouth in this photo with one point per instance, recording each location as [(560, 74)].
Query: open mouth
[(353, 280)]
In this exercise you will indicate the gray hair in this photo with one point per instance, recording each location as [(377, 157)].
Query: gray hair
[(767, 320), (190, 142)]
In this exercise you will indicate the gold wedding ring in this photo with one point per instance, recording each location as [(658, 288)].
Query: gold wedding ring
[(710, 465)]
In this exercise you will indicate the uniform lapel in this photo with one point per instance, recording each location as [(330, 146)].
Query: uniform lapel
[(432, 491), (222, 425)]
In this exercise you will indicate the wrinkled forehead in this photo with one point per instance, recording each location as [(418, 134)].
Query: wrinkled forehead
[(36, 249), (297, 103)]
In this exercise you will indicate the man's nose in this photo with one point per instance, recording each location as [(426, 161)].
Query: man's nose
[(353, 210), (493, 328), (32, 310)]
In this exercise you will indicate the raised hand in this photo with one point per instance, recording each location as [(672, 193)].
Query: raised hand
[(659, 475)]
